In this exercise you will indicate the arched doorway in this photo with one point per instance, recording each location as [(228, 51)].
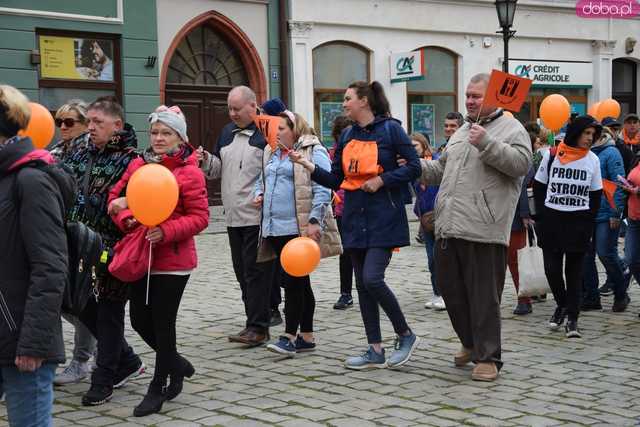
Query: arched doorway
[(207, 58), (625, 85)]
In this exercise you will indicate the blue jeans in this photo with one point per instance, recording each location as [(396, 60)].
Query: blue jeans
[(429, 244), (605, 245), (29, 395), (632, 248), (369, 266)]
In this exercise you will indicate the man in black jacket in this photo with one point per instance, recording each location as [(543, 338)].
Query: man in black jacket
[(33, 270)]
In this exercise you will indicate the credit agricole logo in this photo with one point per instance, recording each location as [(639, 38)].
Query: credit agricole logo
[(616, 9)]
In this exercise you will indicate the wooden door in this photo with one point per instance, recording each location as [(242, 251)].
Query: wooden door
[(206, 114)]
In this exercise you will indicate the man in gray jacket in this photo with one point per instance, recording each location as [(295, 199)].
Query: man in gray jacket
[(479, 175), (237, 160)]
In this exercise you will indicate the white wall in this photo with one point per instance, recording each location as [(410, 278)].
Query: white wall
[(251, 17), (545, 30)]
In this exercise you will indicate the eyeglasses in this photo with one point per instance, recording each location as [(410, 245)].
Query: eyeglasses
[(67, 122)]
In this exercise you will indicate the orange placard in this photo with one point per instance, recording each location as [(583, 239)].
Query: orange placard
[(268, 125), (506, 91), (609, 189)]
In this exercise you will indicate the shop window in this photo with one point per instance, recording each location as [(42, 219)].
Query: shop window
[(335, 66), (577, 97), (77, 65), (625, 83), (430, 99)]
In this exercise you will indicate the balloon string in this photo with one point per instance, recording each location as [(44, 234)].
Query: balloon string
[(149, 273)]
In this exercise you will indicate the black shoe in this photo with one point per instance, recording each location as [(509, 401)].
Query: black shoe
[(606, 290), (343, 302), (571, 329), (97, 395), (127, 373), (276, 318), (539, 298), (557, 319), (590, 306), (152, 401), (175, 386), (522, 308), (419, 239), (620, 305)]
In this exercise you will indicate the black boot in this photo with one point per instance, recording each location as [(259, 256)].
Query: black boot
[(152, 401), (175, 386)]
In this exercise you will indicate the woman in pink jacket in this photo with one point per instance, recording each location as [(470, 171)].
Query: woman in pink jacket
[(174, 252)]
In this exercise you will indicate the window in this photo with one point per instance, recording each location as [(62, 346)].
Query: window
[(335, 66), (77, 65), (577, 97), (430, 99), (625, 82)]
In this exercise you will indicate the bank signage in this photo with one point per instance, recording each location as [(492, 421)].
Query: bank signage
[(407, 66), (554, 73)]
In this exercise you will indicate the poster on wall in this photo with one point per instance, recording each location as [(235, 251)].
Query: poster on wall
[(73, 58), (422, 118), (328, 113)]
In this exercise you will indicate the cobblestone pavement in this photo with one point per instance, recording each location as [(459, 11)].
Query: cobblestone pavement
[(546, 380)]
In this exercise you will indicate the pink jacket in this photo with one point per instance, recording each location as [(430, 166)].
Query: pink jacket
[(177, 251)]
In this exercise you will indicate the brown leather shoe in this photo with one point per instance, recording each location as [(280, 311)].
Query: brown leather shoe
[(254, 337), (484, 371), (238, 337), (462, 357)]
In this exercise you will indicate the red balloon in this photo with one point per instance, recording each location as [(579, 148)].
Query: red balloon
[(41, 126), (300, 256)]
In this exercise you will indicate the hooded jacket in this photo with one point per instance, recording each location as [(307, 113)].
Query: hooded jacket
[(33, 265), (177, 250), (375, 220), (480, 185), (611, 165)]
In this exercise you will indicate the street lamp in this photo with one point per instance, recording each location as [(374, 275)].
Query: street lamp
[(506, 10)]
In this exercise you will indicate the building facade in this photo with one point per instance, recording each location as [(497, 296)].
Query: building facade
[(585, 60), (56, 51)]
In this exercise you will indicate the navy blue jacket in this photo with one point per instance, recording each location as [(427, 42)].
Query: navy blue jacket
[(611, 165), (375, 220)]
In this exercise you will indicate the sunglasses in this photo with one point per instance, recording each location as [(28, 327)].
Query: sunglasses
[(67, 122)]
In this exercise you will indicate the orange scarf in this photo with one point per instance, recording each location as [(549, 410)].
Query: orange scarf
[(568, 154), (631, 141)]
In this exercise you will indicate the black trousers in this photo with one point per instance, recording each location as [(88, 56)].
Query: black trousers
[(470, 276), (156, 322), (299, 301), (105, 320), (567, 295), (254, 278), (346, 267)]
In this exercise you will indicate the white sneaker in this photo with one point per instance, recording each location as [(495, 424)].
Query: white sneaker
[(438, 304), (429, 304), (75, 372)]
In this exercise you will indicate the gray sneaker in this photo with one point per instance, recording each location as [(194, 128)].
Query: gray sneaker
[(367, 360), (404, 347), (75, 372)]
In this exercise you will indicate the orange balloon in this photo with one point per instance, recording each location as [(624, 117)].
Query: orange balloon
[(152, 194), (593, 110), (608, 108), (555, 111), (40, 128), (508, 114), (300, 256)]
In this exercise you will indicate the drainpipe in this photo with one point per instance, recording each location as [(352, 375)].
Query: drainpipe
[(283, 37)]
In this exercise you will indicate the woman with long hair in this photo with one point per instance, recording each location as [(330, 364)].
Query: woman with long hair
[(374, 219)]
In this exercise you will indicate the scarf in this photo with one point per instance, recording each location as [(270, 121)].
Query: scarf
[(567, 154), (151, 157), (630, 141)]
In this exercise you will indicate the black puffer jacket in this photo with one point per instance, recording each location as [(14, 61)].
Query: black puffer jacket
[(33, 265)]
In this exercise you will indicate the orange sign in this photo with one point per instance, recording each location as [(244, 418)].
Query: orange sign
[(506, 91), (268, 125), (609, 189)]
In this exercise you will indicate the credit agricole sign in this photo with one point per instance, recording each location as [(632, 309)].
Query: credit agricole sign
[(553, 73)]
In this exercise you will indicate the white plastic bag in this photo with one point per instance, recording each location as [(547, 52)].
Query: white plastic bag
[(533, 281)]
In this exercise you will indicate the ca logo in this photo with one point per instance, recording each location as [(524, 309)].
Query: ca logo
[(523, 71), (405, 65)]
